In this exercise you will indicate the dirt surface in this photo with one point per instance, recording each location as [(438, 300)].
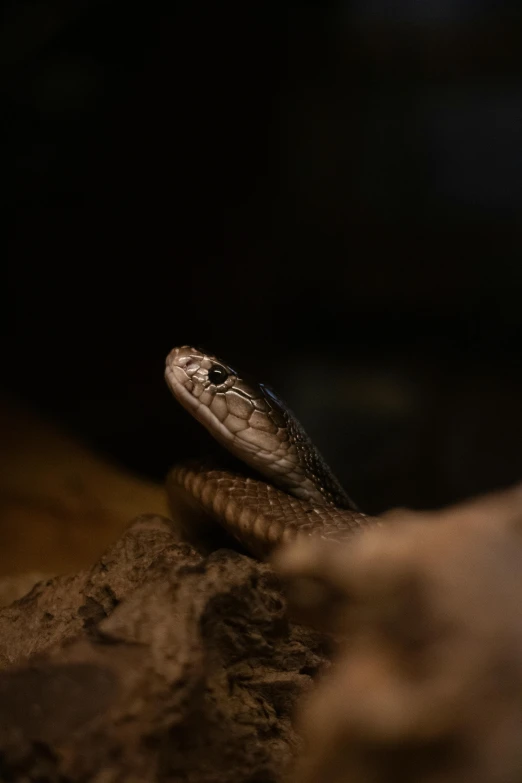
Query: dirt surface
[(61, 503)]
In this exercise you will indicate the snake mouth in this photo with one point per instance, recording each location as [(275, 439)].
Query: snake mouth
[(179, 383), (181, 364)]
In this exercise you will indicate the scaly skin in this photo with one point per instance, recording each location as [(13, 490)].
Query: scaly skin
[(256, 426)]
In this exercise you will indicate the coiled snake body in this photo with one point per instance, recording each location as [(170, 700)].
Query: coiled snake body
[(303, 497)]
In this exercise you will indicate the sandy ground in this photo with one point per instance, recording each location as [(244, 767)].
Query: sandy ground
[(61, 504)]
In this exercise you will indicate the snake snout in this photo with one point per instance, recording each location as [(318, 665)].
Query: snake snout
[(183, 357)]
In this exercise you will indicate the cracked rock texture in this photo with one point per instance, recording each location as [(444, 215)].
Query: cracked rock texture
[(157, 664)]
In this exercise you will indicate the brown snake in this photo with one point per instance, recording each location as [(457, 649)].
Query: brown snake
[(250, 421)]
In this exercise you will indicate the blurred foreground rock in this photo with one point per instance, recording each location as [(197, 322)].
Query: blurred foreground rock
[(428, 686)]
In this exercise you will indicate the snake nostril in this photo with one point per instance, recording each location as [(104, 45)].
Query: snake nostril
[(187, 363)]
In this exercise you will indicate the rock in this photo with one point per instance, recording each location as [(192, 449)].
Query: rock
[(428, 683), (157, 664)]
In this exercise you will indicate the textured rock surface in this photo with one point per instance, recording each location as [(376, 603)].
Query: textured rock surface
[(158, 664), (428, 686)]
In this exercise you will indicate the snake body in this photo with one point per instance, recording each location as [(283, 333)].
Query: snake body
[(303, 498)]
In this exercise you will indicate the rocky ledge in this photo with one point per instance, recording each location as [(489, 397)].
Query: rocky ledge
[(158, 664)]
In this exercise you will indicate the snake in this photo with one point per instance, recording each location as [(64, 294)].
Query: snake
[(291, 492)]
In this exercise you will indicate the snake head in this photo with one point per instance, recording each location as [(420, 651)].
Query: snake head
[(249, 420), (238, 413)]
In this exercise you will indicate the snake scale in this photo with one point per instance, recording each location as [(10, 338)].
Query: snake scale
[(300, 497)]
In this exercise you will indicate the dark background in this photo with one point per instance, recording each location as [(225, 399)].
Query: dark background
[(326, 194)]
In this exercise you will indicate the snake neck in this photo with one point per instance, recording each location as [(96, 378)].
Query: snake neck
[(320, 483)]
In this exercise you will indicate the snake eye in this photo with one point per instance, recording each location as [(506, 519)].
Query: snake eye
[(217, 374)]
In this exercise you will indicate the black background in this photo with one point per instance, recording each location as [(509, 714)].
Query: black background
[(328, 195)]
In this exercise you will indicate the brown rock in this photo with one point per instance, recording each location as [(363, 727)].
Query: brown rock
[(158, 664), (428, 685)]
